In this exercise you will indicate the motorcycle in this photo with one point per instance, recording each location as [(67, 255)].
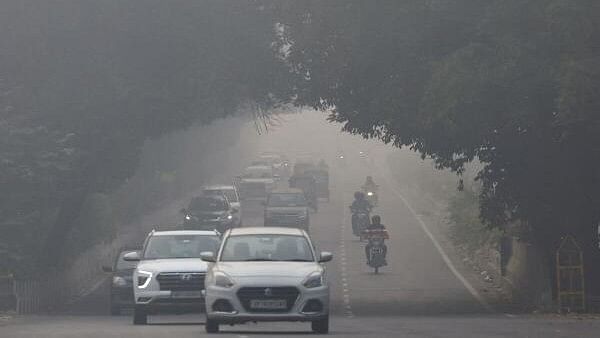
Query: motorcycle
[(377, 250), (360, 221), (372, 197)]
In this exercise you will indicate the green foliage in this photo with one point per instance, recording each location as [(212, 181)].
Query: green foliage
[(84, 84), (513, 84)]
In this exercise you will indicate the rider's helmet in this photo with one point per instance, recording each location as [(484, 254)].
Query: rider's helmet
[(376, 220), (359, 195)]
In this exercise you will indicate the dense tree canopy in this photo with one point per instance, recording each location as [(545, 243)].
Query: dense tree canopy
[(512, 83), (84, 83)]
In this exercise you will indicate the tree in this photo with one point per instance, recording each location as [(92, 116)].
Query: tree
[(84, 84), (512, 83)]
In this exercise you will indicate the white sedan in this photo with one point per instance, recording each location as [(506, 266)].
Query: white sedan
[(266, 274)]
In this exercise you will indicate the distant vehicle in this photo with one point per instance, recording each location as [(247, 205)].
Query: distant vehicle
[(287, 208), (376, 248), (281, 166), (121, 286), (301, 166), (256, 182), (321, 176), (308, 184), (230, 192), (170, 274), (209, 212), (267, 274)]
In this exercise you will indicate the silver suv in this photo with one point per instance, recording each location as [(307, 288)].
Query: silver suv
[(287, 208), (169, 276)]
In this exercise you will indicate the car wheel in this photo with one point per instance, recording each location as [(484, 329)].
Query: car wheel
[(211, 326), (321, 325), (140, 316)]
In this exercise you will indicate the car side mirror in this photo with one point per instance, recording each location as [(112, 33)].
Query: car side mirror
[(133, 256), (325, 257), (208, 256), (106, 268)]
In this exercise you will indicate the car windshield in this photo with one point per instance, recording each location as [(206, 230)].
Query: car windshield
[(207, 204), (249, 248), (123, 264), (287, 200), (179, 246), (229, 193)]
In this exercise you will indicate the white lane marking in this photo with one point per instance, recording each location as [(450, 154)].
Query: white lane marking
[(345, 287), (440, 250)]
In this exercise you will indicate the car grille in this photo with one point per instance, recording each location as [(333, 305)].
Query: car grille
[(289, 294), (181, 281)]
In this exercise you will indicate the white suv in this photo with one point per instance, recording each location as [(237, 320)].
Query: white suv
[(170, 274), (266, 274)]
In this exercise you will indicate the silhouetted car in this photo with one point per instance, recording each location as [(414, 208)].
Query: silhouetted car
[(121, 283)]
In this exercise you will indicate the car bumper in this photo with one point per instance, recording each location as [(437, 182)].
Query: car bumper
[(164, 301), (239, 314), (122, 297)]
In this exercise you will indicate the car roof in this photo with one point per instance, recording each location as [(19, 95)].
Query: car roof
[(266, 231), (259, 167), (184, 233), (219, 187)]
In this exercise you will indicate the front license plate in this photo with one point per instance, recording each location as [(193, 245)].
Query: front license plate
[(186, 294), (274, 304)]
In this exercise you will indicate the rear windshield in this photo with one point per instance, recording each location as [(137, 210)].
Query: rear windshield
[(287, 200)]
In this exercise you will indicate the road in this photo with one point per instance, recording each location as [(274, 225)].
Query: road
[(424, 292)]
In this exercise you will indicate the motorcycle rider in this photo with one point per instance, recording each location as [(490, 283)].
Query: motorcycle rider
[(375, 225), (359, 204)]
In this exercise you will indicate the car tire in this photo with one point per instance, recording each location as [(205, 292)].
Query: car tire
[(321, 325), (211, 326), (140, 315)]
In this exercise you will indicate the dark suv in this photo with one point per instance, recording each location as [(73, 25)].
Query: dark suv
[(121, 283)]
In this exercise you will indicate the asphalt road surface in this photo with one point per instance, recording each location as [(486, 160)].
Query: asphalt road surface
[(424, 292)]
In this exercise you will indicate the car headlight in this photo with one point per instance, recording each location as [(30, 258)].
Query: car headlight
[(223, 280), (370, 193), (229, 217), (188, 217), (143, 279), (314, 280), (119, 281)]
